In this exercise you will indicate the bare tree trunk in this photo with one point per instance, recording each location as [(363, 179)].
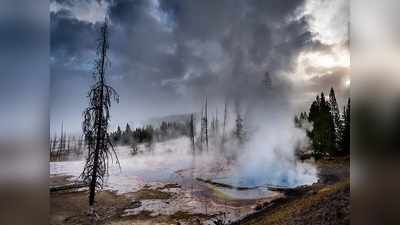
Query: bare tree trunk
[(61, 144), (95, 124), (53, 146), (201, 128), (80, 145), (192, 132), (206, 124), (99, 119), (216, 123), (224, 127), (68, 140), (64, 144)]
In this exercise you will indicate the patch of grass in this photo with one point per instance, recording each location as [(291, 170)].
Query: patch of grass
[(72, 207)]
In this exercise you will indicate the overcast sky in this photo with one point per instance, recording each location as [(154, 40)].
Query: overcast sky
[(166, 56)]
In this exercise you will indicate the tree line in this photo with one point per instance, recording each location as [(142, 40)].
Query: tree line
[(330, 132), (212, 131), (149, 134)]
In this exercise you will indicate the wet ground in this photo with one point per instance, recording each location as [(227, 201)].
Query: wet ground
[(160, 187), (152, 204)]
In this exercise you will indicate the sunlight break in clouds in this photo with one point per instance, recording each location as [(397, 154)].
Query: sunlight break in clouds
[(89, 11)]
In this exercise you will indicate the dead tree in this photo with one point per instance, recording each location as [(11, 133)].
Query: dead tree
[(239, 129), (206, 124), (80, 146), (212, 126), (192, 132), (95, 121), (204, 127), (68, 149), (216, 128), (61, 144), (216, 122), (201, 129), (53, 145), (74, 148), (223, 138)]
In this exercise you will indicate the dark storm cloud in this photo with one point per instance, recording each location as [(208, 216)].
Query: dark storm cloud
[(24, 71), (181, 51), (70, 37), (236, 25), (126, 12)]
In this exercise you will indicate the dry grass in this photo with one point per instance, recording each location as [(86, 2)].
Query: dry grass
[(72, 208), (148, 194), (285, 212)]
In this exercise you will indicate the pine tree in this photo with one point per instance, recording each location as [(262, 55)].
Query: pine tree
[(128, 130), (329, 127), (323, 133), (297, 121), (118, 134), (334, 109), (345, 133), (127, 135), (303, 116), (95, 122), (315, 134)]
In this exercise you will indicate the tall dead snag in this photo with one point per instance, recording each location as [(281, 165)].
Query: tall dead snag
[(223, 138), (95, 121), (239, 129), (192, 131), (216, 128), (204, 127), (54, 144), (61, 145), (206, 124), (201, 128)]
